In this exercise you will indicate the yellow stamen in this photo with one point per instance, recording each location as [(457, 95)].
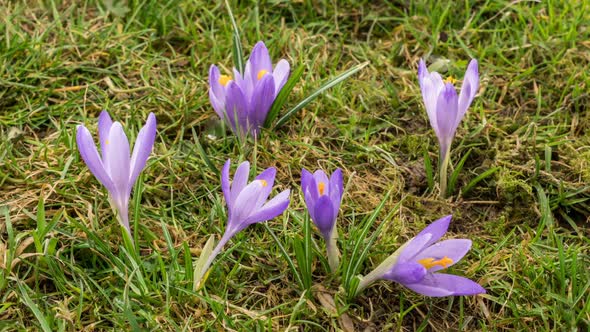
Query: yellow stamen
[(451, 80), (429, 263), (321, 188), (106, 142), (224, 79), (262, 73), (264, 183)]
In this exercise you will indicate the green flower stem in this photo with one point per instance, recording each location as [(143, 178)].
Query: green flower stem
[(445, 153)]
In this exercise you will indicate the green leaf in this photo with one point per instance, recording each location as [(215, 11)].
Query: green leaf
[(330, 83), (204, 155), (429, 170), (29, 303), (283, 95), (455, 174), (477, 179), (237, 51)]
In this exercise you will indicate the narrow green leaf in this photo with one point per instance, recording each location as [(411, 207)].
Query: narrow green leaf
[(237, 51), (285, 255), (29, 303), (283, 95), (455, 174), (330, 83), (429, 170), (203, 154), (477, 179)]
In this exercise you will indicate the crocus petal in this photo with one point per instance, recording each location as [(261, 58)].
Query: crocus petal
[(104, 126), (431, 85), (92, 159), (143, 147), (321, 177), (225, 187), (117, 151), (468, 89), (336, 186), (240, 181), (260, 60), (217, 104), (271, 209), (440, 284), (446, 113), (214, 84), (425, 238), (406, 273), (268, 176), (237, 109), (244, 205), (453, 249), (305, 179), (262, 99), (281, 75), (324, 215), (422, 71), (312, 189)]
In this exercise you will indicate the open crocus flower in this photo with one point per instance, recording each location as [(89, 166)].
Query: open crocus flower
[(323, 198), (116, 168), (243, 101), (445, 108), (416, 264), (246, 203)]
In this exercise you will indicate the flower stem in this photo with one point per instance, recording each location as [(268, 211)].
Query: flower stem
[(333, 253), (444, 157)]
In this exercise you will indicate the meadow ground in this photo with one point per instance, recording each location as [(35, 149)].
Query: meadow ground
[(63, 265)]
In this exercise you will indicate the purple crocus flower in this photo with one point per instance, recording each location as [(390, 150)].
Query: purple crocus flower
[(247, 203), (416, 264), (323, 197), (243, 101), (445, 108), (115, 167)]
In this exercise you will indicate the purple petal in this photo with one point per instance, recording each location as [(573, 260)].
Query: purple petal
[(468, 89), (271, 209), (104, 126), (268, 176), (117, 151), (431, 85), (305, 179), (260, 60), (214, 85), (321, 177), (281, 75), (143, 147), (406, 273), (236, 109), (262, 99), (240, 180), (312, 189), (244, 205), (453, 249), (324, 215), (446, 113), (336, 186), (422, 71), (440, 284), (225, 187), (217, 104), (425, 238), (92, 159)]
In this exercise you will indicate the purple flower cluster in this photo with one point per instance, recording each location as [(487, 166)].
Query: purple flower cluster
[(243, 101)]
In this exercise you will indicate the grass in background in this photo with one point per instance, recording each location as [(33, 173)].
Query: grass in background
[(63, 265)]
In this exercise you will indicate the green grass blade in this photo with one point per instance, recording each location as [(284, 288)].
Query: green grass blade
[(477, 179), (29, 303), (330, 83), (455, 174), (237, 51), (285, 255), (429, 170), (283, 95)]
